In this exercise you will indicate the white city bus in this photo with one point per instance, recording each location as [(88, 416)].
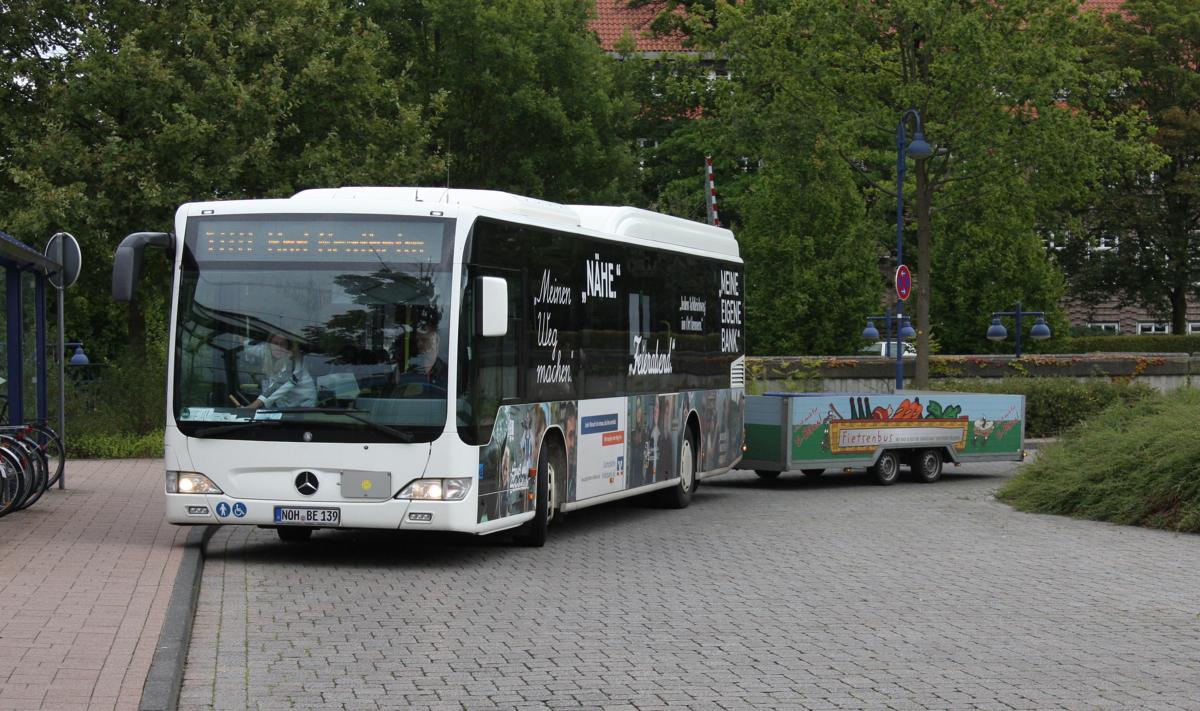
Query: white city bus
[(441, 359)]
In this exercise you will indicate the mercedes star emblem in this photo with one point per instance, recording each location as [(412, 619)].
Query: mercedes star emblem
[(306, 483)]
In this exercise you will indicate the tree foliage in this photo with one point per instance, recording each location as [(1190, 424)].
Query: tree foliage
[(115, 113), (531, 102), (1006, 95), (1150, 215)]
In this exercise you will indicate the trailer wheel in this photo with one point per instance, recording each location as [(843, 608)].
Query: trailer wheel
[(928, 466), (887, 469), (767, 473)]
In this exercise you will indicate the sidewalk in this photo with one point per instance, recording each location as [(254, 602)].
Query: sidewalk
[(85, 576)]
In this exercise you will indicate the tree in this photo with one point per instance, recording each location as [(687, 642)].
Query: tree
[(164, 103), (1017, 116), (531, 103), (812, 267), (1151, 216)]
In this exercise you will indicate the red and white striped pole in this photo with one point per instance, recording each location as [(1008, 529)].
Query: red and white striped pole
[(713, 218)]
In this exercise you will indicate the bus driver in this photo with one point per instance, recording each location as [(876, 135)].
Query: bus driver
[(286, 382), (425, 365)]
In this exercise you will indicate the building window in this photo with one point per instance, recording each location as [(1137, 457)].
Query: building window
[(1106, 327), (1194, 327), (1149, 328)]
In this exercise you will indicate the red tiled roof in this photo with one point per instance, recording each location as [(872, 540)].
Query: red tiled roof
[(1103, 6), (614, 17)]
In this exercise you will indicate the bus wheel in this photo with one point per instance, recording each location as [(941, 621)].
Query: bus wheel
[(813, 473), (680, 495), (550, 466), (767, 473), (928, 467), (294, 534), (887, 469)]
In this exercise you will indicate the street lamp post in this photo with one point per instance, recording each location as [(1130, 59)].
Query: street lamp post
[(918, 149), (1039, 332)]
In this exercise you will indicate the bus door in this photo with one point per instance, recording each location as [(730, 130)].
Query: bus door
[(489, 367)]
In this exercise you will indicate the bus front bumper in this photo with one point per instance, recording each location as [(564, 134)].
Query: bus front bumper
[(199, 509)]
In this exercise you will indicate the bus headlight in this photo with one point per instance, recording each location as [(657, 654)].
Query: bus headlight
[(436, 490), (190, 483)]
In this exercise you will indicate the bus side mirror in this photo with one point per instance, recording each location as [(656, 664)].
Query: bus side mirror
[(491, 306), (127, 262)]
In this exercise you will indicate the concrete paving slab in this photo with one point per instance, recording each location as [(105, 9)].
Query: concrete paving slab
[(85, 575)]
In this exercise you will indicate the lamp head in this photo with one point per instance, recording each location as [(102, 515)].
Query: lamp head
[(907, 331), (79, 358), (919, 148), (1040, 330), (997, 332), (870, 332)]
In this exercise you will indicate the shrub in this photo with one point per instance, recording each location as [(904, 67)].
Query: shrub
[(119, 413), (1122, 344), (1135, 463), (1053, 405), (115, 446)]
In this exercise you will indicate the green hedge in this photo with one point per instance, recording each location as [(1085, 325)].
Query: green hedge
[(1053, 405), (1120, 344), (120, 413), (97, 445), (1129, 465)]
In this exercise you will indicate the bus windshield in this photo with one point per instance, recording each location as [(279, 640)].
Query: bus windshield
[(326, 327)]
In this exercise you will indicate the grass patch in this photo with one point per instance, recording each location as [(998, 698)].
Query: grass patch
[(1134, 464)]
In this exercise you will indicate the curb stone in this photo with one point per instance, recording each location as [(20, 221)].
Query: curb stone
[(161, 690)]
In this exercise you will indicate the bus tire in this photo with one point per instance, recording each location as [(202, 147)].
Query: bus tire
[(551, 465), (887, 469), (294, 534), (767, 473), (680, 495), (927, 467)]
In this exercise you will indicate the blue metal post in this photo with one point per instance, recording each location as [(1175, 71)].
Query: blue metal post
[(40, 316), (889, 329), (1018, 329), (900, 138), (16, 348)]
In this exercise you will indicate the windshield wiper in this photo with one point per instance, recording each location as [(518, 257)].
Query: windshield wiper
[(222, 429), (354, 415)]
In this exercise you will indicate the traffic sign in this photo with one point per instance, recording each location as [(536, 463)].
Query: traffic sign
[(63, 250), (903, 282)]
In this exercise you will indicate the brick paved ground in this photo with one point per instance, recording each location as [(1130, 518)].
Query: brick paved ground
[(85, 575), (821, 595)]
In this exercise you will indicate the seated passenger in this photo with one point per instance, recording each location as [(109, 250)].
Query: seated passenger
[(286, 382), (425, 364)]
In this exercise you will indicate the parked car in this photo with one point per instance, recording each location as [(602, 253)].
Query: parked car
[(885, 348)]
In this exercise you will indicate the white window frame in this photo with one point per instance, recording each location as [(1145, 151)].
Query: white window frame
[(1108, 326), (1194, 327), (1153, 328)]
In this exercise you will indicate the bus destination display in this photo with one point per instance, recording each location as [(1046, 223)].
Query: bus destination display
[(324, 240)]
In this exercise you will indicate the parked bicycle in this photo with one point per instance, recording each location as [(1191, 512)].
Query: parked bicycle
[(32, 458)]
